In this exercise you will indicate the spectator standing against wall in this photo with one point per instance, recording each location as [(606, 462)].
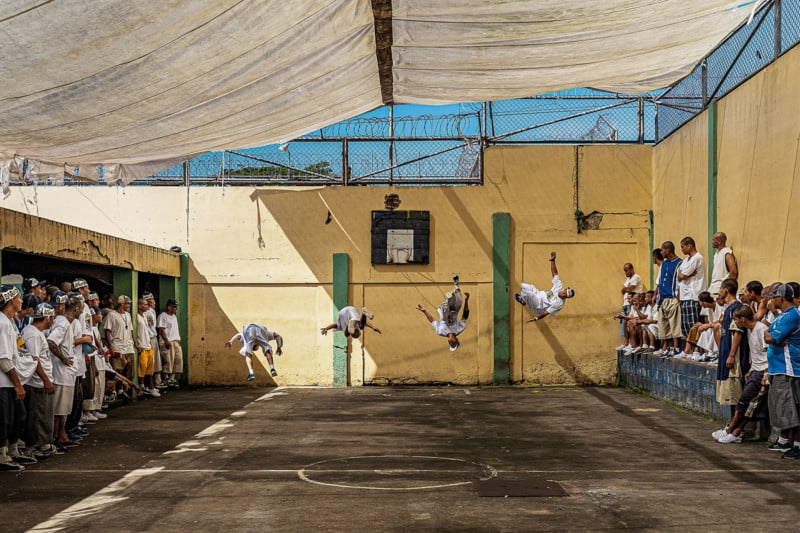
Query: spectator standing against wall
[(732, 349), (669, 318), (724, 265), (171, 335), (632, 285), (691, 282), (783, 366)]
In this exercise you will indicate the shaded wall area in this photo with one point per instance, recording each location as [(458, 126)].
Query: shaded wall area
[(758, 183)]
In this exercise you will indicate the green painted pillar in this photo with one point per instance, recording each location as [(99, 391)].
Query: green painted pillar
[(713, 169), (501, 280), (126, 282), (341, 276), (183, 315)]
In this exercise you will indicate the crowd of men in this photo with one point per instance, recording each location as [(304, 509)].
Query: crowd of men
[(752, 337), (66, 355)]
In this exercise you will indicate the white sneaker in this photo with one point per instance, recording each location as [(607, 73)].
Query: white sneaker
[(367, 314), (719, 433), (697, 356), (729, 438), (154, 393), (659, 352), (623, 346), (99, 415), (90, 417)]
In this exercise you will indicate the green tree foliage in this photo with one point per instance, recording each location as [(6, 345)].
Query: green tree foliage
[(321, 167)]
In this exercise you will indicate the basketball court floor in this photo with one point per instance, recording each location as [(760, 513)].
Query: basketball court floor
[(400, 459)]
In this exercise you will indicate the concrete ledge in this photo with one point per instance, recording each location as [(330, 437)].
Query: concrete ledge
[(683, 382)]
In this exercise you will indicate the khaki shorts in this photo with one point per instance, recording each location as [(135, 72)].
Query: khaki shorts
[(62, 400), (669, 319), (145, 363), (118, 363)]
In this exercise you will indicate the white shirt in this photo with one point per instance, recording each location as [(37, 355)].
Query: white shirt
[(36, 343), (60, 334), (634, 281), (150, 317), (77, 349), (8, 347), (99, 360), (345, 316), (543, 301), (142, 332), (441, 327), (758, 347), (691, 288), (170, 325), (720, 270)]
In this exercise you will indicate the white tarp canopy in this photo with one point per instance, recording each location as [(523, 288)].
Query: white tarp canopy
[(120, 82)]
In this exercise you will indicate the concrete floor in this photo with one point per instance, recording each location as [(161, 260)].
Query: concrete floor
[(396, 459)]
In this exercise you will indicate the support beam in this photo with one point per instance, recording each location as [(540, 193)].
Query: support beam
[(341, 276), (501, 279), (382, 11), (183, 315)]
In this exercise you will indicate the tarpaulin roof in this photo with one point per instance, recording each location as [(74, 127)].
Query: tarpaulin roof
[(154, 81)]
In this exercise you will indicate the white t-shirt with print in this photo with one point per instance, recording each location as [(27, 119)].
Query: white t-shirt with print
[(441, 327), (61, 335), (758, 347), (170, 325), (36, 343)]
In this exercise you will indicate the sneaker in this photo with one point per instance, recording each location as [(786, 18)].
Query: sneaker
[(74, 436), (161, 385), (154, 393), (697, 356), (90, 418), (84, 418), (10, 466), (60, 447), (719, 433), (794, 453), (23, 459), (251, 376), (273, 372), (81, 430), (51, 450), (69, 443), (729, 438), (659, 352), (39, 455), (367, 314), (620, 347), (519, 300), (99, 415), (777, 447)]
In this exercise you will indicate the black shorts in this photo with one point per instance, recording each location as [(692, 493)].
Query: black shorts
[(753, 401)]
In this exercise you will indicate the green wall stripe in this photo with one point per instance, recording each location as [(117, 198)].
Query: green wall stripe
[(341, 276), (501, 278), (183, 315), (713, 168), (126, 282)]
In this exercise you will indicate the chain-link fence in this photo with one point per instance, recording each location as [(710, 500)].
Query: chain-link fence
[(775, 28)]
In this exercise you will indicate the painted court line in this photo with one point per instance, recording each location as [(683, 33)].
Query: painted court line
[(113, 493)]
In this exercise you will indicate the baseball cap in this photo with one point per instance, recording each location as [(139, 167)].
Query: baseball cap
[(43, 310), (96, 310), (29, 283), (454, 348), (7, 293), (79, 296), (123, 299), (784, 290), (59, 297), (570, 292), (172, 301), (93, 296), (79, 283), (148, 295)]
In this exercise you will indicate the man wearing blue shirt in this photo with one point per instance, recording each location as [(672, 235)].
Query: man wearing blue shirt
[(783, 365), (669, 318)]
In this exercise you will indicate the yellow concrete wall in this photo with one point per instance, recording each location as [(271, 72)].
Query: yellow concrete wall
[(758, 180), (265, 255)]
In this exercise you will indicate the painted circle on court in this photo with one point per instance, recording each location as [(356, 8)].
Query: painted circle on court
[(395, 472)]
